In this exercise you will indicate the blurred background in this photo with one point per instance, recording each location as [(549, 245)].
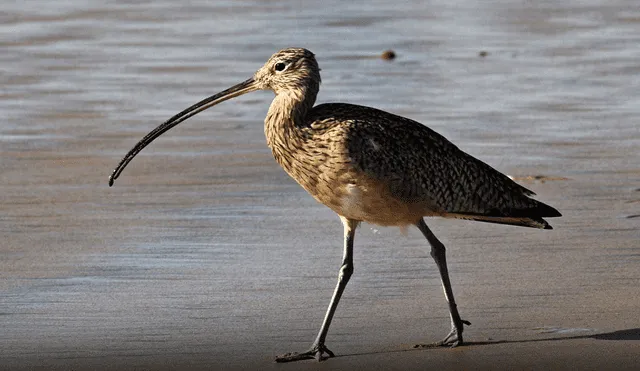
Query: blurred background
[(206, 254)]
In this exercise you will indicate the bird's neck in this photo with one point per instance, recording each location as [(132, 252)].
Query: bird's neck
[(286, 123)]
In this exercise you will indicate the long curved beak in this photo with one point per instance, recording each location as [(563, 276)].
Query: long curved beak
[(234, 91)]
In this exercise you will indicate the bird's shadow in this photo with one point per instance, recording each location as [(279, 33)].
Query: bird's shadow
[(628, 334)]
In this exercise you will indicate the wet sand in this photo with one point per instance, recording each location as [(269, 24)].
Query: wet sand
[(149, 289), (205, 255)]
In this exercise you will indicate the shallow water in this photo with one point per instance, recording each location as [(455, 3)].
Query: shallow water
[(204, 246)]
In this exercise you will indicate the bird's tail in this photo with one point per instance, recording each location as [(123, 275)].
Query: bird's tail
[(521, 222), (529, 217)]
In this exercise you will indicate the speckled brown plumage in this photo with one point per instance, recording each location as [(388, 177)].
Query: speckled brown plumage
[(369, 165), (373, 166)]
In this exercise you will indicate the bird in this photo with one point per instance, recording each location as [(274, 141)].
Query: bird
[(368, 165)]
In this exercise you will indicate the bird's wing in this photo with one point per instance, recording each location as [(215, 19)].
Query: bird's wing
[(419, 165)]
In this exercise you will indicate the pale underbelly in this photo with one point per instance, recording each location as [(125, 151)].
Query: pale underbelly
[(358, 196), (374, 205)]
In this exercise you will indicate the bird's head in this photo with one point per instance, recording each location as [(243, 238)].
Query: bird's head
[(291, 69)]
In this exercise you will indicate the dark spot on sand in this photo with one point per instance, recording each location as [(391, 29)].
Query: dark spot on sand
[(388, 55)]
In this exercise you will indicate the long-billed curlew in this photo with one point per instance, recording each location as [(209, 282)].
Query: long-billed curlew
[(370, 166)]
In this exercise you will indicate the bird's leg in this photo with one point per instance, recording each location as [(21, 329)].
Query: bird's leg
[(318, 349), (454, 338)]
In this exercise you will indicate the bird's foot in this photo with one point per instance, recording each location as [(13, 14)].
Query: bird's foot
[(316, 352), (455, 336), (452, 340)]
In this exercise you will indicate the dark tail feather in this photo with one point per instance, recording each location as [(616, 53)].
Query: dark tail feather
[(531, 222), (538, 211), (529, 217)]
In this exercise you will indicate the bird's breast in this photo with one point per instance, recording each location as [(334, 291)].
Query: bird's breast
[(322, 165)]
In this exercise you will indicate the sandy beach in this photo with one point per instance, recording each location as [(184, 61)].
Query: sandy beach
[(205, 255)]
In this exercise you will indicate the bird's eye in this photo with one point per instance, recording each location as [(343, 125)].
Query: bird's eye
[(280, 66)]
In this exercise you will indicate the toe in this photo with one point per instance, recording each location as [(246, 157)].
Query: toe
[(316, 352)]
